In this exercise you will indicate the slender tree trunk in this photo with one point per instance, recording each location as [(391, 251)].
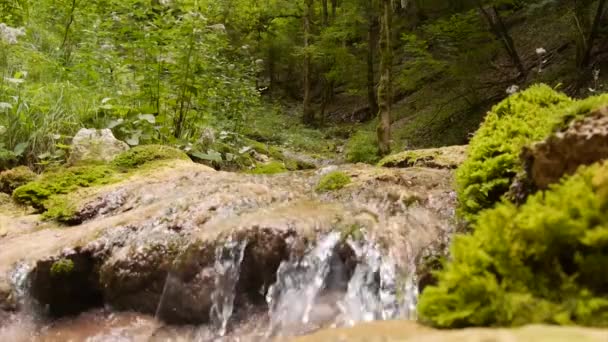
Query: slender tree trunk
[(372, 39), (334, 6), (67, 50), (309, 114), (498, 27), (385, 85), (595, 26), (325, 13)]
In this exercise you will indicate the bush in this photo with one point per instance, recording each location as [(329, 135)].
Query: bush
[(333, 181), (141, 155), (543, 262), (362, 148), (493, 155), (14, 178)]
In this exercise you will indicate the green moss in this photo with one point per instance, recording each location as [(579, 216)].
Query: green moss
[(62, 267), (362, 148), (542, 262), (333, 181), (270, 168), (63, 182), (62, 208), (141, 155), (493, 155), (14, 178)]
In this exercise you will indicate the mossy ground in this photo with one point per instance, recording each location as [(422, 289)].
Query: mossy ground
[(54, 192), (141, 155), (332, 181), (540, 262), (270, 168)]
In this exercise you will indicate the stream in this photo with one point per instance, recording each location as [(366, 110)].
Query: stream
[(195, 255)]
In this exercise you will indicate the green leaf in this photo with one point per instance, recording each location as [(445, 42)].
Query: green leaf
[(212, 156), (20, 148)]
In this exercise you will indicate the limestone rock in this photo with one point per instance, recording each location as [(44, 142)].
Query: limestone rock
[(583, 142), (91, 145)]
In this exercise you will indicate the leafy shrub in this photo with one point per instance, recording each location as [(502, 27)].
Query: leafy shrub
[(493, 156), (362, 147), (62, 182), (141, 155), (541, 262), (333, 181), (14, 178)]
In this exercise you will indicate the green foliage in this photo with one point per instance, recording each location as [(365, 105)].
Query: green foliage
[(62, 267), (64, 181), (14, 178), (493, 156), (362, 148), (270, 168), (335, 180), (538, 263), (141, 155)]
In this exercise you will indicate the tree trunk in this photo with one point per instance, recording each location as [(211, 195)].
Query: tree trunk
[(595, 26), (334, 6), (325, 13), (498, 27), (309, 114), (372, 39), (385, 85)]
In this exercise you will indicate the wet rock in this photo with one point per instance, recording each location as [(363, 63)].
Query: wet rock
[(584, 142), (408, 331), (149, 244), (66, 285), (91, 145)]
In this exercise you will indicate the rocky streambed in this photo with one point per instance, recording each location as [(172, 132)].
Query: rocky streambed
[(183, 251)]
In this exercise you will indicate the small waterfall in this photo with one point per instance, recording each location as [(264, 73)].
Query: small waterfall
[(292, 297), (228, 259), (19, 281), (375, 291)]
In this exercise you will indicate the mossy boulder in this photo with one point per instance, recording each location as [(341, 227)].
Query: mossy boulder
[(449, 157), (14, 178), (493, 155), (141, 155), (543, 261), (64, 181), (332, 181)]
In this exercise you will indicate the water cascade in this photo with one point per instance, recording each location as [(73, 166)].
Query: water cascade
[(228, 259), (291, 299)]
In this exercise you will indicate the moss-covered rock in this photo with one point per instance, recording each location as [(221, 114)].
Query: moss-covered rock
[(493, 155), (14, 178), (64, 181), (333, 181), (541, 262), (269, 168), (449, 157), (141, 155)]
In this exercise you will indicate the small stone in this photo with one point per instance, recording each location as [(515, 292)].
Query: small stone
[(92, 145)]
